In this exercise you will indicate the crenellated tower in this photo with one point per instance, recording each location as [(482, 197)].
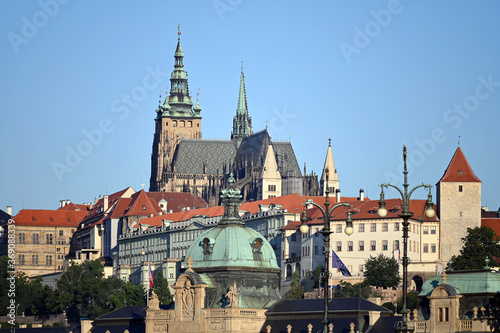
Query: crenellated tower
[(176, 119), (242, 122)]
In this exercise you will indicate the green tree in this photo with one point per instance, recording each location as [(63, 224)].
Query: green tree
[(479, 243), (381, 271), (411, 302), (162, 289), (346, 289), (296, 291)]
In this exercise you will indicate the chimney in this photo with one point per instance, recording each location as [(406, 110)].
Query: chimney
[(9, 210), (337, 195), (361, 195), (67, 202), (60, 203), (105, 203)]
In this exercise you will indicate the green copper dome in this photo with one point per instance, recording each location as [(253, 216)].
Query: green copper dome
[(231, 245), (466, 282)]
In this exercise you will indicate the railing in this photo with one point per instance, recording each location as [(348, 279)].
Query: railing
[(466, 325)]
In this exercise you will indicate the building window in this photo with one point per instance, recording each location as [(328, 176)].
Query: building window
[(361, 227), (385, 245), (34, 259), (433, 248), (396, 245), (293, 238), (316, 250), (433, 230), (339, 246), (460, 214), (61, 233), (21, 259), (48, 238), (385, 227), (58, 249), (460, 188), (426, 248), (426, 230), (48, 260), (171, 273), (22, 238), (409, 245), (339, 228), (361, 268), (350, 246), (361, 245), (373, 245), (443, 314), (36, 239), (396, 226), (373, 227)]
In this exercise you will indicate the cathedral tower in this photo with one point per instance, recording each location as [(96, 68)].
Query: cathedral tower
[(176, 119), (458, 205), (333, 180), (242, 123)]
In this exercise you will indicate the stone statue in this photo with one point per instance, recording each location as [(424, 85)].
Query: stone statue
[(187, 298), (232, 296), (154, 302)]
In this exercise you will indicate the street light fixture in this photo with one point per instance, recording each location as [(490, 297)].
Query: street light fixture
[(304, 228), (405, 325)]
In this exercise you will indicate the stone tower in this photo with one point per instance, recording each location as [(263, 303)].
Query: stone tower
[(458, 205), (270, 177), (333, 182), (176, 119), (242, 122)]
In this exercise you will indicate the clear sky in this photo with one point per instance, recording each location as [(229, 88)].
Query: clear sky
[(80, 83)]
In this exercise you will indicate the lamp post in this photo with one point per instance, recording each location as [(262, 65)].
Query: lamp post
[(405, 325), (304, 228)]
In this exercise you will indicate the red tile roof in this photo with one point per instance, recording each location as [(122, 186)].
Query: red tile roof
[(49, 218), (176, 201), (141, 205), (182, 216), (493, 223), (459, 169), (75, 207)]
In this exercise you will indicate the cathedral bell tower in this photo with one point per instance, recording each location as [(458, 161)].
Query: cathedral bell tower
[(176, 119)]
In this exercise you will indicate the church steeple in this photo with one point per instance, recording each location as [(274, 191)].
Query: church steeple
[(242, 123), (333, 181), (179, 99)]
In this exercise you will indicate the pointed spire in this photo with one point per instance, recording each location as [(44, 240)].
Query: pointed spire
[(242, 98), (178, 50), (459, 170), (242, 123), (197, 107), (329, 167)]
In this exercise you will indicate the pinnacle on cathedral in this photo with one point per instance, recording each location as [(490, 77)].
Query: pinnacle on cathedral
[(242, 123)]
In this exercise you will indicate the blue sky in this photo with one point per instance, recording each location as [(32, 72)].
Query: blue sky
[(370, 75)]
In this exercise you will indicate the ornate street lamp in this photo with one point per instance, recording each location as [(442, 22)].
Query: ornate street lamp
[(405, 325), (304, 228)]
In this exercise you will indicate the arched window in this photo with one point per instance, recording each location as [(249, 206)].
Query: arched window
[(288, 272)]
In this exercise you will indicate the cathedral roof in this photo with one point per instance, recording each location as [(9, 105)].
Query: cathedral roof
[(203, 156), (459, 169)]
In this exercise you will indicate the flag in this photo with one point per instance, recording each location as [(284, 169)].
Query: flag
[(150, 276), (337, 263)]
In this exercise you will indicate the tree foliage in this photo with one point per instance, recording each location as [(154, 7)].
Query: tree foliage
[(296, 291), (162, 289), (346, 289), (381, 271), (82, 291), (479, 243)]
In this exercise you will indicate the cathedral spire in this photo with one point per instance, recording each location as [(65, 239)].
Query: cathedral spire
[(242, 123), (179, 99)]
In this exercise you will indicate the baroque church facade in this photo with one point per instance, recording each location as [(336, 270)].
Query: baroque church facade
[(181, 161)]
